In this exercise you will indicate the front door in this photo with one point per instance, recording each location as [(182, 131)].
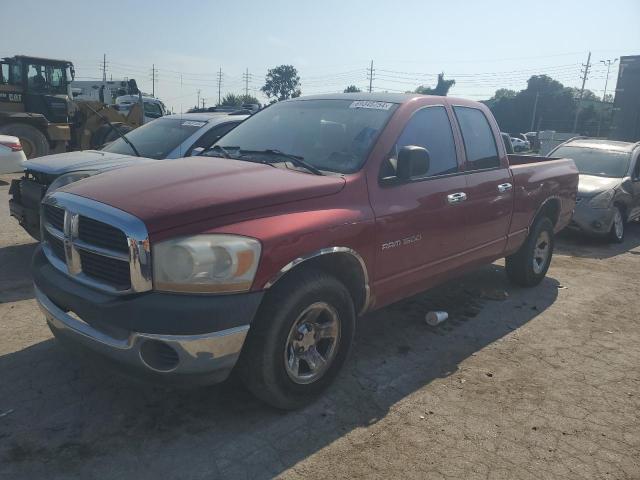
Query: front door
[(417, 226)]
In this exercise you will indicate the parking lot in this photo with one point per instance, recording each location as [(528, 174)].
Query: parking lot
[(517, 384)]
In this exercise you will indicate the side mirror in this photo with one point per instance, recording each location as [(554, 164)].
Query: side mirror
[(413, 161), (196, 151)]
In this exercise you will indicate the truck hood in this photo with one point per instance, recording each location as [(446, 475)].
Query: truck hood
[(93, 160), (590, 185), (166, 195)]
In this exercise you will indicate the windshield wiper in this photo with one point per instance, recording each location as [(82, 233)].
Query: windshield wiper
[(114, 129), (222, 150), (295, 159)]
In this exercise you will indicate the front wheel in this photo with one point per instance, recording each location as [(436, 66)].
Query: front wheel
[(616, 234), (528, 266), (299, 340)]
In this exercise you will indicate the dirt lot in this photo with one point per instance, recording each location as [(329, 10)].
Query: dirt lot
[(544, 383)]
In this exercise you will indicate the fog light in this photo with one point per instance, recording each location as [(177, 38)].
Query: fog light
[(159, 356), (597, 224)]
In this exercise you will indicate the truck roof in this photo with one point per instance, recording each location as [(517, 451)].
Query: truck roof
[(380, 97)]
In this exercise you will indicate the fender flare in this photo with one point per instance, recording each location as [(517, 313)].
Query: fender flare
[(327, 251)]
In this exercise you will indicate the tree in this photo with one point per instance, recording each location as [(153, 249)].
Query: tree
[(352, 89), (282, 82), (233, 100), (548, 105), (442, 87)]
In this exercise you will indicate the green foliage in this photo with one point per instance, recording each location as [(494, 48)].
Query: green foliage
[(555, 110), (233, 100), (282, 82), (352, 89), (442, 87)]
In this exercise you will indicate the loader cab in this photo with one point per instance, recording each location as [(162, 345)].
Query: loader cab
[(36, 85)]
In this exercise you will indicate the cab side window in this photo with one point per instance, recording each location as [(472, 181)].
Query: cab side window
[(429, 128), (479, 141), (636, 170), (4, 73)]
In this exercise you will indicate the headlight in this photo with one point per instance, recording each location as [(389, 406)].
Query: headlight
[(205, 264), (68, 178), (602, 200)]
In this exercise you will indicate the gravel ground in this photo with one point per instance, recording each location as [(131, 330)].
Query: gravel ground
[(534, 384)]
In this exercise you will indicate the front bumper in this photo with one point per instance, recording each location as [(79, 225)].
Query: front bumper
[(593, 221), (185, 339)]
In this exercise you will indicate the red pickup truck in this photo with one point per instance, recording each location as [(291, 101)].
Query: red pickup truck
[(258, 255)]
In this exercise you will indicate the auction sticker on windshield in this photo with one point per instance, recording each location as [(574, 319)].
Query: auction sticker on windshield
[(371, 104)]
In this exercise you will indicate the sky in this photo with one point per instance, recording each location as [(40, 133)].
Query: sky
[(483, 45)]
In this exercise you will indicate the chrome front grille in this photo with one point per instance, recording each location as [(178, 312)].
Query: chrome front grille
[(96, 244)]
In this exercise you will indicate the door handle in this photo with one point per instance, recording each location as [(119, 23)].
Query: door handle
[(456, 198), (505, 187)]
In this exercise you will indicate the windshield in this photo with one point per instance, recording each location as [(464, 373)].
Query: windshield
[(156, 139), (331, 135), (596, 161), (47, 78)]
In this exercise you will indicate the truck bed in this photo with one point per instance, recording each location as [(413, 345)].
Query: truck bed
[(537, 178)]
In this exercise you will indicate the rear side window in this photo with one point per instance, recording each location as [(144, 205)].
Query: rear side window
[(479, 142), (430, 128)]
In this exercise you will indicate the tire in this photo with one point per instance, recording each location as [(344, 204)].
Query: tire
[(34, 142), (267, 364), (528, 266), (616, 234)]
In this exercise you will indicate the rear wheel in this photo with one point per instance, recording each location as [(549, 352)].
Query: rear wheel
[(616, 234), (34, 142), (528, 266), (299, 340)]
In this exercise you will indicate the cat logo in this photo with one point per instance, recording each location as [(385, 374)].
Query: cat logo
[(11, 97)]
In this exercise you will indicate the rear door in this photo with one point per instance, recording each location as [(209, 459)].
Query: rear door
[(489, 185), (416, 227)]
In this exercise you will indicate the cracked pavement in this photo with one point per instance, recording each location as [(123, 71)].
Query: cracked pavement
[(542, 383)]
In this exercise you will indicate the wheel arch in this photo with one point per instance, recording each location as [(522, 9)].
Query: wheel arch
[(344, 263), (550, 208)]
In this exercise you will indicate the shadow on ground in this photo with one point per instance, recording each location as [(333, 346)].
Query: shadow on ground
[(15, 279), (577, 244), (69, 421)]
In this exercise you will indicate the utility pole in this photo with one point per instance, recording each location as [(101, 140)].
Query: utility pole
[(587, 67), (533, 116), (246, 76), (198, 102), (370, 76), (104, 67), (608, 63), (220, 86), (154, 73), (203, 103)]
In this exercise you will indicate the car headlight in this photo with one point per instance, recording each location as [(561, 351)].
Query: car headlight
[(602, 200), (213, 263), (68, 178)]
